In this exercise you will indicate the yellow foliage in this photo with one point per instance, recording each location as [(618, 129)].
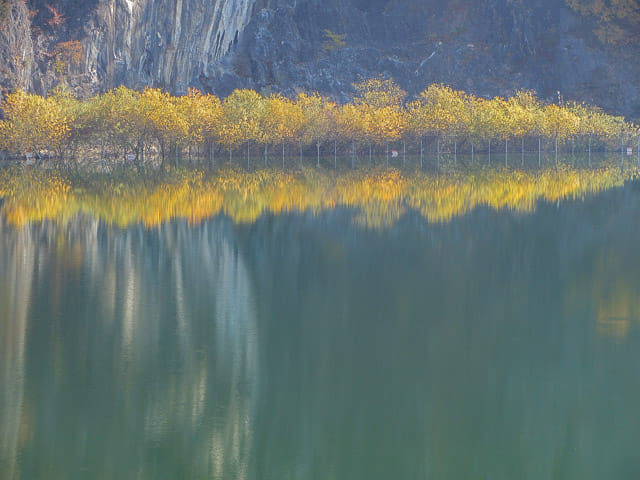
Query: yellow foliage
[(32, 122), (126, 120)]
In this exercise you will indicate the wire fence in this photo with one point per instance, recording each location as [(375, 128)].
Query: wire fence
[(428, 152)]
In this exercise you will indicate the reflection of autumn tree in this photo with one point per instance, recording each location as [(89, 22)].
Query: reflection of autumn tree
[(125, 200)]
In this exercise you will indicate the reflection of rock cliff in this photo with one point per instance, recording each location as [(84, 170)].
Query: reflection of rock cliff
[(171, 347), (18, 258), (486, 47)]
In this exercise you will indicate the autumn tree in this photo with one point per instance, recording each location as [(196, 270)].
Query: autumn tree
[(166, 120), (75, 113), (117, 121), (318, 117), (283, 121), (243, 118), (32, 123), (559, 124), (524, 114), (379, 114), (66, 55), (617, 21), (480, 126), (203, 114), (444, 111)]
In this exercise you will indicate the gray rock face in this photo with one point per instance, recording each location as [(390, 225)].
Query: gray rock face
[(16, 48), (488, 47), (168, 43)]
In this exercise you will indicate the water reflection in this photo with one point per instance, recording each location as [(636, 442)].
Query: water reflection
[(382, 196), (496, 345), (18, 267), (140, 343)]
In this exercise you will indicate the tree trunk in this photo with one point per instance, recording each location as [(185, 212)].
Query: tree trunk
[(539, 153), (421, 152), (455, 151), (621, 151), (318, 154), (506, 152), (387, 154), (353, 157)]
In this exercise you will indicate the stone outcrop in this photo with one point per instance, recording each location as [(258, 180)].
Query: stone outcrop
[(488, 47), (16, 48)]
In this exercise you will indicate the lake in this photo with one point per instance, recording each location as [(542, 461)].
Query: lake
[(495, 345)]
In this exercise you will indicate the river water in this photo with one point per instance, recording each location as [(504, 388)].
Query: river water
[(498, 345)]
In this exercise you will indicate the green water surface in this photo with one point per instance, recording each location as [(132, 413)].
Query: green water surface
[(495, 346)]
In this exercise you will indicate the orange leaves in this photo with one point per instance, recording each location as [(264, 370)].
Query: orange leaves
[(70, 52), (57, 18)]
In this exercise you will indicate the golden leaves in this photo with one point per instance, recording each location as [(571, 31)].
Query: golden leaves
[(32, 123), (125, 119)]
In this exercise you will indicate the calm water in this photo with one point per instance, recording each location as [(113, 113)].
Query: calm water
[(497, 346)]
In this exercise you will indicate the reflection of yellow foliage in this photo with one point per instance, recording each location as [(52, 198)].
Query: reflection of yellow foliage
[(33, 195), (381, 196), (618, 306)]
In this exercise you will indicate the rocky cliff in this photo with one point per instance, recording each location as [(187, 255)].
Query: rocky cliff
[(16, 47), (489, 47)]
